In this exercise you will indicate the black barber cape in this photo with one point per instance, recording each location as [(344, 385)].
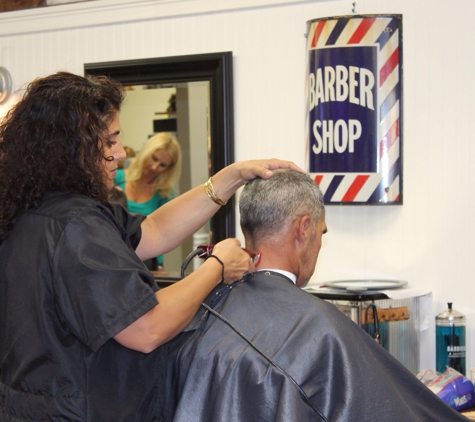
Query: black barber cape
[(215, 376), (69, 281)]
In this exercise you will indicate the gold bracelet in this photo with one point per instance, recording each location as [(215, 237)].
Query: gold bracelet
[(209, 189)]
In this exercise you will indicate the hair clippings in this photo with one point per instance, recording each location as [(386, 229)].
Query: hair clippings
[(208, 251)]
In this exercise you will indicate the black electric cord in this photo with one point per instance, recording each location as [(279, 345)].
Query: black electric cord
[(260, 352), (376, 334), (188, 259)]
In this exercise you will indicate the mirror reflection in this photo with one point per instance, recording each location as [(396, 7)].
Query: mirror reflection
[(201, 88), (165, 131)]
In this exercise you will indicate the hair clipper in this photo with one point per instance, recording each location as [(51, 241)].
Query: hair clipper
[(208, 250)]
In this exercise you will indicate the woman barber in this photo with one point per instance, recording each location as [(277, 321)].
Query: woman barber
[(82, 320)]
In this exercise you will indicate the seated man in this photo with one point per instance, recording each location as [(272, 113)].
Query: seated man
[(303, 359)]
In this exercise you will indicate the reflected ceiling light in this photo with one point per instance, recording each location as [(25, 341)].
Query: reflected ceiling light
[(5, 84)]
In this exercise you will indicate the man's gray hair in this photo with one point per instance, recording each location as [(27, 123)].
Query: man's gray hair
[(269, 205)]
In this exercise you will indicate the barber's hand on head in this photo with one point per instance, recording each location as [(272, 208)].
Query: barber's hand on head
[(237, 262), (230, 178), (263, 168), (241, 172)]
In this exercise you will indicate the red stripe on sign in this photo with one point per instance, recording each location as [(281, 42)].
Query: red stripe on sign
[(318, 179), (389, 138), (318, 31), (389, 66), (355, 188), (361, 31)]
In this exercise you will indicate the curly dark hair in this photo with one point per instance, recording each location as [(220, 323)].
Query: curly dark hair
[(53, 141)]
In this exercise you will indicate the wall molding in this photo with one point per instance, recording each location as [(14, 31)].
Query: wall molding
[(101, 12)]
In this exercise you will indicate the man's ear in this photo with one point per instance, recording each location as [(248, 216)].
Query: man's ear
[(302, 228)]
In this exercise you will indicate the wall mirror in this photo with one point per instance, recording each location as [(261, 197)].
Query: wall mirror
[(200, 82)]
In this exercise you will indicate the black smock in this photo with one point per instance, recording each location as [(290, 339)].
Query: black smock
[(215, 376), (69, 281)]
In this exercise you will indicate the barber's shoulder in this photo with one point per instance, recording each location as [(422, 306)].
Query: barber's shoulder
[(67, 206)]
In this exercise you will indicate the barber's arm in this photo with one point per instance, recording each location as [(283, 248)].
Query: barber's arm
[(171, 224), (178, 303)]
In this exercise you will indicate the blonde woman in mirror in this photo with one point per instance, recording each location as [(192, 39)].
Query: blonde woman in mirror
[(149, 180)]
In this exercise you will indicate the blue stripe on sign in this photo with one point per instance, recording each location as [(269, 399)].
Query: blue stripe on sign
[(380, 190), (389, 102), (337, 30), (332, 188), (387, 33)]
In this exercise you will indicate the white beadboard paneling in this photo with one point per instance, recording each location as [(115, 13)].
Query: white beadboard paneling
[(100, 12), (428, 241)]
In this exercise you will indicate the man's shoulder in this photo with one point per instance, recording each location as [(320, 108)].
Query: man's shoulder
[(273, 283), (274, 290)]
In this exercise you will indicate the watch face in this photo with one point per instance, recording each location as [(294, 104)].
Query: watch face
[(5, 84), (364, 285)]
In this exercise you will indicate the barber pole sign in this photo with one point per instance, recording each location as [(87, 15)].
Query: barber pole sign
[(354, 108)]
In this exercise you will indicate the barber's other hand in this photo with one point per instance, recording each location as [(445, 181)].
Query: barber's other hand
[(237, 262)]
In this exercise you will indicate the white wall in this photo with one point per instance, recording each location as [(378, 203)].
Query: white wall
[(428, 241)]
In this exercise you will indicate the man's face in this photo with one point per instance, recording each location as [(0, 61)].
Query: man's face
[(310, 254)]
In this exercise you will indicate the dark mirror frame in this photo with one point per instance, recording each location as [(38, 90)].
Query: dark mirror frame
[(213, 67)]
